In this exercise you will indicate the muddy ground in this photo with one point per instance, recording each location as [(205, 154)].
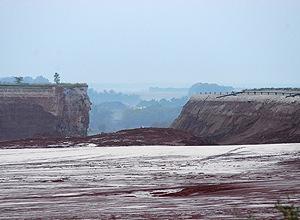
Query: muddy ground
[(130, 137), (154, 182)]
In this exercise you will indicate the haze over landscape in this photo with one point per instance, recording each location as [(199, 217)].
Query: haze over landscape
[(136, 109), (163, 43)]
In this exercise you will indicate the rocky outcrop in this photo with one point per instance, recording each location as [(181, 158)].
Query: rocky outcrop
[(242, 118), (28, 111)]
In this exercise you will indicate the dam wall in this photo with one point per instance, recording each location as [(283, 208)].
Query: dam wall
[(28, 111), (243, 118)]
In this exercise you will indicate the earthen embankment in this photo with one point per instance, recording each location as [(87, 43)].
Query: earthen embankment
[(242, 118)]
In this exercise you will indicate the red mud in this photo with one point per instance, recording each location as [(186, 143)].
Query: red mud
[(208, 189), (132, 137), (125, 183)]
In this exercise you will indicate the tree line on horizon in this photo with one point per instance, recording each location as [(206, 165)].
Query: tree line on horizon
[(18, 80)]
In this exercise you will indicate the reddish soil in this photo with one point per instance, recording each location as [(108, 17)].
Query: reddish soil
[(149, 182), (206, 189), (132, 137)]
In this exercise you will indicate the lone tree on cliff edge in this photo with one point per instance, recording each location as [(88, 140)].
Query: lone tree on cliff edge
[(18, 79), (56, 78)]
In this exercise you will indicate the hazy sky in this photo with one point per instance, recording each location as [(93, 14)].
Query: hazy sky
[(238, 42)]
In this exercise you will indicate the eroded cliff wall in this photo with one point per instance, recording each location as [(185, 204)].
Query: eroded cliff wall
[(242, 119), (48, 110)]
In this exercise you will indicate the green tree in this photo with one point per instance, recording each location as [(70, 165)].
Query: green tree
[(18, 79), (56, 78)]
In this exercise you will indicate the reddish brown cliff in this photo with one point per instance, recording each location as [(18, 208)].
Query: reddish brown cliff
[(28, 111), (242, 119)]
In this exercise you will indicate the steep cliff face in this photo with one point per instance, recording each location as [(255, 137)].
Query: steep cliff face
[(48, 110), (75, 113), (242, 119)]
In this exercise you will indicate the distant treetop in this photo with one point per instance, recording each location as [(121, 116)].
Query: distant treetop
[(56, 78), (26, 79), (18, 79)]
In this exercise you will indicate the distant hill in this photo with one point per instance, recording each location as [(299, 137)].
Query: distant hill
[(209, 87), (169, 89), (113, 116), (113, 96), (26, 79)]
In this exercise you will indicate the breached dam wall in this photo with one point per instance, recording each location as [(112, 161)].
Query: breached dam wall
[(28, 111), (242, 118)]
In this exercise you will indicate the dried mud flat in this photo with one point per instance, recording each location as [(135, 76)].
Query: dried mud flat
[(154, 182)]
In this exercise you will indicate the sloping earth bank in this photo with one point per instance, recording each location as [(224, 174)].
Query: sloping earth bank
[(242, 119)]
